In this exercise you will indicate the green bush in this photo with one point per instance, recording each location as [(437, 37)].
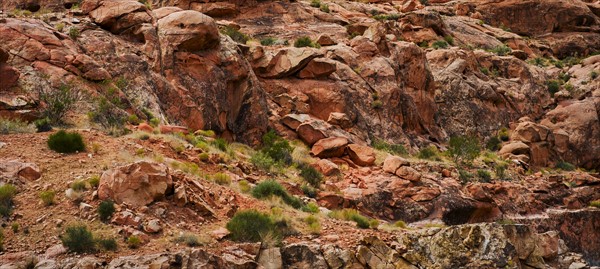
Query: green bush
[(270, 188), (463, 149), (244, 186), (94, 181), (203, 157), (66, 142), (74, 32), (106, 209), (47, 197), (311, 208), (250, 226), (501, 50), (493, 143), (449, 39), (324, 8), (222, 179), (7, 194), (595, 203), (564, 166), (134, 241), (500, 170), (108, 244), (311, 175), (503, 134), (397, 149), (315, 3), (440, 44), (15, 227), (304, 41), (428, 153), (221, 144), (15, 126), (79, 185), (235, 34), (277, 148), (351, 215), (309, 191), (191, 240), (593, 75), (400, 224), (464, 176), (484, 175), (43, 125), (268, 41), (262, 161), (77, 238), (553, 86), (377, 104)]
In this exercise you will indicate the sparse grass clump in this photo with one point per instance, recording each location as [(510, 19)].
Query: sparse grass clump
[(428, 153), (15, 227), (305, 41), (77, 238), (311, 208), (464, 176), (565, 166), (594, 74), (222, 179), (351, 215), (493, 143), (397, 149), (315, 3), (79, 185), (244, 186), (553, 86), (484, 175), (269, 188), (235, 34), (501, 50), (108, 244), (204, 157), (134, 241), (15, 126), (191, 240), (309, 191), (268, 41), (74, 32), (94, 181), (47, 197), (595, 203), (324, 8), (250, 226), (221, 144), (503, 134), (66, 142), (500, 170), (311, 175), (7, 194), (314, 226), (106, 209), (440, 44)]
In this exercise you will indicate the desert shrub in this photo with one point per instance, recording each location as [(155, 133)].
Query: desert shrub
[(267, 41), (564, 76), (463, 149), (324, 8), (134, 241), (315, 3), (277, 148), (493, 143), (235, 34), (203, 157), (351, 215), (424, 2), (309, 191), (15, 126), (314, 226), (464, 176), (377, 104), (106, 209), (7, 194), (262, 161), (397, 149), (74, 32), (595, 203), (428, 153), (400, 224), (484, 175), (310, 175), (304, 41), (78, 185), (244, 186), (206, 133), (564, 166), (440, 44), (60, 27), (270, 188), (107, 113), (94, 181), (503, 134), (66, 142), (553, 86), (14, 227), (593, 74), (191, 240), (133, 119), (221, 144), (56, 103), (501, 50), (222, 179), (250, 226), (311, 207), (77, 238), (108, 244), (47, 197), (500, 170), (449, 39), (43, 125)]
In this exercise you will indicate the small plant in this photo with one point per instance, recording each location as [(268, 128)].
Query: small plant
[(595, 203), (221, 144), (56, 103), (311, 208), (440, 44), (7, 194), (277, 148), (484, 175), (351, 215), (309, 191), (397, 149), (74, 32), (400, 224), (314, 226), (244, 186), (268, 41), (15, 126), (77, 238), (564, 76), (503, 134), (204, 157), (428, 153), (269, 188), (60, 27), (565, 166), (464, 176), (108, 244), (500, 170), (304, 41), (47, 197), (222, 179), (505, 222), (43, 125), (538, 61), (79, 185), (262, 161), (250, 226), (134, 241), (377, 104), (553, 86), (106, 209), (94, 181), (315, 3), (424, 2), (66, 142), (493, 143), (593, 75), (191, 240), (463, 149), (501, 50), (235, 34), (324, 8), (311, 175), (449, 39)]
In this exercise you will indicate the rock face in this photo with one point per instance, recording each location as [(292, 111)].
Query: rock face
[(137, 184), (15, 171), (330, 147), (361, 155)]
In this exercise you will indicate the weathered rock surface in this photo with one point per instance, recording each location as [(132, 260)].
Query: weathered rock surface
[(15, 172)]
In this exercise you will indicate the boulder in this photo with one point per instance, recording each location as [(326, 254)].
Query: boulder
[(293, 121), (392, 163), (361, 155), (325, 40), (303, 255), (117, 16), (311, 132), (218, 9), (283, 62), (270, 258), (515, 148), (318, 68), (136, 184), (329, 147), (339, 119), (13, 171), (171, 129), (409, 173), (327, 167)]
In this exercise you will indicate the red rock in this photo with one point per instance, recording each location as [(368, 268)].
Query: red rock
[(409, 173), (311, 132), (329, 147), (392, 163), (318, 68), (340, 119), (14, 170), (327, 167), (171, 129), (361, 155), (294, 120), (145, 127), (218, 9), (325, 40)]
